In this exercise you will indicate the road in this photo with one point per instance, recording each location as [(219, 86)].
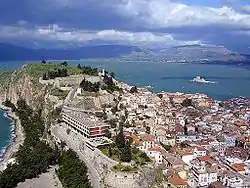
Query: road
[(93, 174)]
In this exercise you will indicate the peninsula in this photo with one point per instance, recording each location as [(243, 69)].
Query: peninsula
[(89, 129)]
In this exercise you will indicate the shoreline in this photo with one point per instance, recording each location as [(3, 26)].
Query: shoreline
[(17, 137)]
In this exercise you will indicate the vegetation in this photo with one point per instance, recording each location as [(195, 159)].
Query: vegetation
[(166, 147), (187, 103), (88, 70), (133, 89), (60, 72), (61, 94), (37, 70), (64, 63), (35, 156), (72, 171), (109, 85), (89, 86), (126, 155), (122, 168), (9, 104)]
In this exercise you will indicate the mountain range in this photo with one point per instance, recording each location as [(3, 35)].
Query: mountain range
[(9, 52)]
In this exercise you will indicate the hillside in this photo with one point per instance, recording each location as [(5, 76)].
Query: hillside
[(186, 53), (10, 52)]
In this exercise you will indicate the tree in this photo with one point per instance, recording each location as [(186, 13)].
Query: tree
[(166, 147), (126, 154), (112, 74), (133, 89), (43, 62), (120, 140), (187, 103), (107, 133), (79, 66), (160, 95), (185, 130), (64, 63)]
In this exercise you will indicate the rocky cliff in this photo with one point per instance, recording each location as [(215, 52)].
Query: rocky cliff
[(23, 86)]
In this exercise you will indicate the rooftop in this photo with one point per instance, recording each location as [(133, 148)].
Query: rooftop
[(176, 180), (88, 120)]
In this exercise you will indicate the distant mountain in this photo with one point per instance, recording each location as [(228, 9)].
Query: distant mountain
[(187, 53), (95, 49), (10, 52)]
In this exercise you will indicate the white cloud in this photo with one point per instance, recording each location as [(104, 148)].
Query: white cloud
[(165, 13), (56, 33)]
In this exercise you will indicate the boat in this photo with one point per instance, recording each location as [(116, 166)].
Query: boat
[(199, 79), (149, 86)]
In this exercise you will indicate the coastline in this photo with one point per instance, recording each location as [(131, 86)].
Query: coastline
[(16, 140)]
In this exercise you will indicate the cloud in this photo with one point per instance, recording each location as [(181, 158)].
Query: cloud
[(56, 33), (246, 9), (165, 13), (228, 2)]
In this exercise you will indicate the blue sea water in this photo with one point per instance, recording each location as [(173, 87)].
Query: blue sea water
[(232, 80), (5, 132)]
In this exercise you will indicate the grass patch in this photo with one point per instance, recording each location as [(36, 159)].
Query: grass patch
[(61, 94), (105, 151), (122, 168), (140, 157), (38, 69)]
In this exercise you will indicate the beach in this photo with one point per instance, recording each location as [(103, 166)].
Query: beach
[(16, 140)]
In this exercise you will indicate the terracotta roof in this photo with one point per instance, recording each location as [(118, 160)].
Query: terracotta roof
[(156, 148), (206, 159), (176, 180), (147, 138), (238, 167), (199, 148), (184, 151)]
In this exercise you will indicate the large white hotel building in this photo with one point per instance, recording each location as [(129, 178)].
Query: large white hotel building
[(89, 126)]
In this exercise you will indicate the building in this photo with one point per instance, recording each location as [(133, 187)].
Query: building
[(88, 126), (204, 171)]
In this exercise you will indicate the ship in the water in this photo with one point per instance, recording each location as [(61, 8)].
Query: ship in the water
[(199, 79)]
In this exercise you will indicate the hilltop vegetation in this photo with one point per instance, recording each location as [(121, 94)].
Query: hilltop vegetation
[(39, 69)]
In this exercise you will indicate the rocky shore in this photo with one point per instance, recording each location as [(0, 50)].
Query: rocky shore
[(16, 140)]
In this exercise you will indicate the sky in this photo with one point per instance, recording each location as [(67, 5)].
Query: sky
[(146, 23)]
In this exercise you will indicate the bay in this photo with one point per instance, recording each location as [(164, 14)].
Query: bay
[(232, 80), (5, 132)]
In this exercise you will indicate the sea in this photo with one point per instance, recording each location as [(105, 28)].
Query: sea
[(231, 80), (6, 128)]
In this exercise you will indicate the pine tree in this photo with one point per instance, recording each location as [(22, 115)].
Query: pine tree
[(126, 155), (120, 140)]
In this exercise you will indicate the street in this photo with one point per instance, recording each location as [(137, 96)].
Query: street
[(74, 145)]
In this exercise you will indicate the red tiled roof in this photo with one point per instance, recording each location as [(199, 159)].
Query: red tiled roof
[(147, 138), (156, 148), (238, 167), (200, 148), (206, 159), (176, 180)]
